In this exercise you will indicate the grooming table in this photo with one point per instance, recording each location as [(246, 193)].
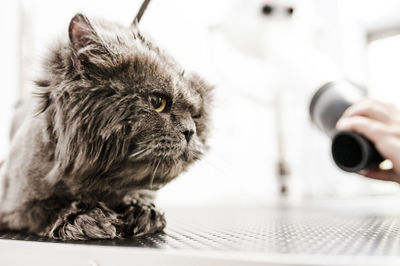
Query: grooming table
[(348, 232)]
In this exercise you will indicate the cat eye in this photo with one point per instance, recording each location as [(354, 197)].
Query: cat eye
[(158, 102)]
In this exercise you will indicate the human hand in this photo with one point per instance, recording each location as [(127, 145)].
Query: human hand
[(380, 123)]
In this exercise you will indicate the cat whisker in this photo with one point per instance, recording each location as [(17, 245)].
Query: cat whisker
[(154, 173), (136, 154)]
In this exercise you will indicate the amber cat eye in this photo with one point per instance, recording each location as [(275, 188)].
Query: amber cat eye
[(159, 103)]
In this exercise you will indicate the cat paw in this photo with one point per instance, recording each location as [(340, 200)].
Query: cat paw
[(95, 223), (142, 218)]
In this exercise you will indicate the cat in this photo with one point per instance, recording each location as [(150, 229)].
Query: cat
[(115, 119)]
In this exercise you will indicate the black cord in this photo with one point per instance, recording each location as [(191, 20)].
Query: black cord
[(141, 12)]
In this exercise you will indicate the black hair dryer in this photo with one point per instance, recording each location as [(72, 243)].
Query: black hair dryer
[(351, 151)]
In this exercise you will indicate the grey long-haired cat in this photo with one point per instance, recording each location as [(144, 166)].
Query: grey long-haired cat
[(116, 118)]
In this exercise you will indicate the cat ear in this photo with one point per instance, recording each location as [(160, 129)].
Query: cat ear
[(81, 32), (82, 35)]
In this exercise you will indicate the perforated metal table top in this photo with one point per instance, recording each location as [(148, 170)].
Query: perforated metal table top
[(351, 232)]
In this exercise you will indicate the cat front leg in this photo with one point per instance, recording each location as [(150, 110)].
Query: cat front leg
[(140, 216), (82, 222)]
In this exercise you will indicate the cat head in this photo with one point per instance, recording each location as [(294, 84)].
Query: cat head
[(117, 105)]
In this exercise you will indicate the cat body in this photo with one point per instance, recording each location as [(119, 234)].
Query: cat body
[(115, 119)]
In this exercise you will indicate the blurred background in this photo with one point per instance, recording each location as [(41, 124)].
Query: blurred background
[(265, 58)]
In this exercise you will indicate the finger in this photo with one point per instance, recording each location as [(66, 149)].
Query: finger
[(371, 129), (378, 133), (385, 175), (371, 109), (389, 148)]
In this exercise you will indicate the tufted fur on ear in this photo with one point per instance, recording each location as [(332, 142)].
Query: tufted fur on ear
[(88, 49)]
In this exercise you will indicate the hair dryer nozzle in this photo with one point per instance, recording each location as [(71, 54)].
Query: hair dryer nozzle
[(353, 152)]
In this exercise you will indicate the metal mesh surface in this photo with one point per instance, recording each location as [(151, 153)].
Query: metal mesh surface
[(270, 230)]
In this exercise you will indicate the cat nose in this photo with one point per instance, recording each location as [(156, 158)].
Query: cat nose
[(188, 134)]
